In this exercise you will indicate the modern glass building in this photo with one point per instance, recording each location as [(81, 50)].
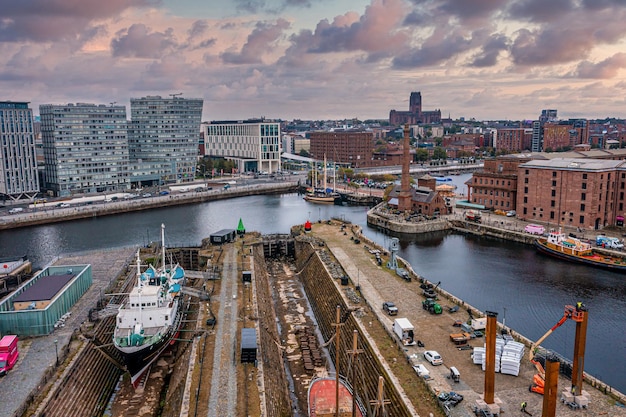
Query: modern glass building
[(18, 173), (166, 130), (85, 148), (254, 144)]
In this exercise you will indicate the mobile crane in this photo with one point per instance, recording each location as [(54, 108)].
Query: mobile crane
[(579, 315)]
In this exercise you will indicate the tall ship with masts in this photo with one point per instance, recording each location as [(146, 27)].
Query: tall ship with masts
[(151, 316), (323, 195)]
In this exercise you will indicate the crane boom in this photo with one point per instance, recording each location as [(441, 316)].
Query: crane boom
[(570, 312)]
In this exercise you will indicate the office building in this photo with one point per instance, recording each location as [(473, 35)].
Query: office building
[(18, 174), (85, 148), (166, 130), (253, 144)]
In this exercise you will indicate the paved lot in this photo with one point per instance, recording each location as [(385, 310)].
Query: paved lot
[(378, 285), (37, 355)]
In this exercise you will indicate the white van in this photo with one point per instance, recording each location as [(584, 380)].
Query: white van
[(16, 210)]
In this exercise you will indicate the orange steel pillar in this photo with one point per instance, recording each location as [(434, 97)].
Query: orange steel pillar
[(490, 357), (404, 196), (578, 363), (550, 388)]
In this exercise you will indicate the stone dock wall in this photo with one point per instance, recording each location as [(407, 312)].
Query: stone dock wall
[(324, 296), (277, 400)]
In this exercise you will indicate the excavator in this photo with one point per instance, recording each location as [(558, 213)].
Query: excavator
[(574, 313)]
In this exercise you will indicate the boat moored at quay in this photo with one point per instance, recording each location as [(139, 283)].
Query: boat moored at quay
[(569, 248), (151, 317)]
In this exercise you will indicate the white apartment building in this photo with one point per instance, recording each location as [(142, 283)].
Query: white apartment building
[(253, 144), (18, 173)]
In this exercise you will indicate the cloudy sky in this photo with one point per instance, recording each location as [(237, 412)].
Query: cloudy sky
[(321, 59)]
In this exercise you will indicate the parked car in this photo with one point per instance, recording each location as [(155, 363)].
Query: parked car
[(433, 357), (451, 398), (511, 213), (390, 308)]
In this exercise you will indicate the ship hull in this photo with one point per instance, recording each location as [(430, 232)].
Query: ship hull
[(322, 398), (323, 199), (594, 259), (138, 359)]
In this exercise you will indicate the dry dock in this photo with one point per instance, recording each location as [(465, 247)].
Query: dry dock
[(283, 298)]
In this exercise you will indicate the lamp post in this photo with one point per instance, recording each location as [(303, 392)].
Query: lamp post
[(56, 351)]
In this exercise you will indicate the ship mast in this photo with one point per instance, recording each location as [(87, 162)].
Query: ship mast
[(325, 179), (163, 246)]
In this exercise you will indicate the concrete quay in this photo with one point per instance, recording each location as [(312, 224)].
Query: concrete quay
[(56, 214), (378, 285), (38, 356)]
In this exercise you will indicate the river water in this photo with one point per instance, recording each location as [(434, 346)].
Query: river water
[(526, 289)]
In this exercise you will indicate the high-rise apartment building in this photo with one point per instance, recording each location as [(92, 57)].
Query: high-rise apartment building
[(166, 130), (18, 173), (85, 148), (253, 144)]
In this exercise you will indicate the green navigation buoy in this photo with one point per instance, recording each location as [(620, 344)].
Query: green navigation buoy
[(241, 229)]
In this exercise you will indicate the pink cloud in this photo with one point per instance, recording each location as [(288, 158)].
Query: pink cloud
[(50, 20)]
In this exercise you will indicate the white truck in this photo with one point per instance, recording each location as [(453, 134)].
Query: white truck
[(479, 323), (609, 242), (403, 328)]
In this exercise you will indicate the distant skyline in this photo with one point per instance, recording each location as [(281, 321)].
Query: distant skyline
[(321, 59)]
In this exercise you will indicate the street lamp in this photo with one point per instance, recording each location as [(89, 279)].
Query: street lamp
[(56, 351)]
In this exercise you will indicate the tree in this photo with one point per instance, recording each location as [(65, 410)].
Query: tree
[(421, 155), (439, 153), (305, 153)]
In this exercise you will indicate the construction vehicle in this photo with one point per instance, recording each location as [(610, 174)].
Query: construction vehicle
[(578, 315), (431, 306), (460, 338)]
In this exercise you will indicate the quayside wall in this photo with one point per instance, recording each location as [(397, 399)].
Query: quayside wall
[(277, 400), (324, 297), (55, 215)]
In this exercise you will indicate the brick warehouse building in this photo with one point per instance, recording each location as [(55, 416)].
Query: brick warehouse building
[(354, 147), (585, 193), (495, 186)]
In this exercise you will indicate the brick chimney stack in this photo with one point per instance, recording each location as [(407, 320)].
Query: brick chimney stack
[(404, 196)]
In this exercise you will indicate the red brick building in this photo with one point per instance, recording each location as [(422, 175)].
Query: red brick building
[(425, 199), (513, 139), (354, 147), (495, 187), (585, 193)]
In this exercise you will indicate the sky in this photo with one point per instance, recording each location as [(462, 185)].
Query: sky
[(321, 59)]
